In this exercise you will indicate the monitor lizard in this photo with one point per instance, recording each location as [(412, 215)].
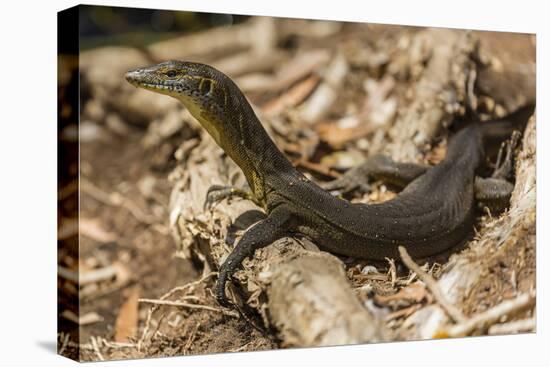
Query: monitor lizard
[(434, 212)]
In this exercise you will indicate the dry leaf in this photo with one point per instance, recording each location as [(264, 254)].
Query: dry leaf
[(338, 133), (292, 97), (413, 293), (317, 167), (127, 319), (404, 312)]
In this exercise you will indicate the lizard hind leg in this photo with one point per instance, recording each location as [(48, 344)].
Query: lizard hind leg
[(260, 235), (378, 166), (505, 159), (494, 192)]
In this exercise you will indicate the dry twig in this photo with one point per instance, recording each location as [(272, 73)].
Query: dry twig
[(86, 319), (163, 297), (191, 337), (518, 326), (92, 276), (493, 315), (432, 285), (186, 305), (66, 338), (96, 348), (116, 345)]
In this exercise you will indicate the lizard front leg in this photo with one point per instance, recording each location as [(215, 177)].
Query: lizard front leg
[(262, 234), (217, 193)]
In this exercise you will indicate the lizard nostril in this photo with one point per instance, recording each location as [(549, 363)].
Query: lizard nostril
[(132, 75), (129, 76)]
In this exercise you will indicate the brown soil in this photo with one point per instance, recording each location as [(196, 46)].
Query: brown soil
[(146, 251)]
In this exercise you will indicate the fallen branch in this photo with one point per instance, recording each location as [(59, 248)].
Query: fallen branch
[(64, 344), (484, 320), (440, 91), (116, 345), (191, 338), (432, 285), (321, 101), (82, 320), (87, 277), (188, 286), (218, 41), (96, 348), (291, 72), (312, 304), (514, 327)]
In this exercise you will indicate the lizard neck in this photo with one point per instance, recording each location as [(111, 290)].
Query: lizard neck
[(258, 157), (239, 132)]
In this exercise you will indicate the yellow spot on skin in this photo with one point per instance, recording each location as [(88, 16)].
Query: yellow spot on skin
[(212, 82)]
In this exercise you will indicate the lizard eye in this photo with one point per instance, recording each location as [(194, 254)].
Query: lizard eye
[(171, 73)]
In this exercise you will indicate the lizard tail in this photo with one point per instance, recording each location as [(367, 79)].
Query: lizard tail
[(496, 131)]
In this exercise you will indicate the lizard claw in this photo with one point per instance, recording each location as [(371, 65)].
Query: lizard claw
[(220, 293), (215, 194), (357, 178), (504, 166), (347, 183)]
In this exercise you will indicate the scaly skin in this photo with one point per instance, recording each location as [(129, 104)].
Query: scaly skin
[(433, 213)]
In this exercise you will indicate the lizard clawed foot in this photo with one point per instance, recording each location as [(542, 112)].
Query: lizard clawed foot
[(217, 193), (220, 294), (344, 185), (504, 166), (350, 181), (357, 178), (259, 235)]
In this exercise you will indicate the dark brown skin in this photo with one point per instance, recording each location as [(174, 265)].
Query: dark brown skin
[(433, 213)]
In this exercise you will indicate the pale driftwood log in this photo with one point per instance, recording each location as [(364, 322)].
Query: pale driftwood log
[(312, 304), (259, 35), (216, 41), (492, 316), (508, 71), (440, 92)]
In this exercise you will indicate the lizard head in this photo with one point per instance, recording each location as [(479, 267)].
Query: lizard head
[(219, 106), (201, 88)]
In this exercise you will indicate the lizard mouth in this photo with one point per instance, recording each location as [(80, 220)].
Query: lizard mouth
[(136, 78)]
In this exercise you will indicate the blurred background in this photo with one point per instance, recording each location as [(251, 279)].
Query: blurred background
[(112, 26)]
